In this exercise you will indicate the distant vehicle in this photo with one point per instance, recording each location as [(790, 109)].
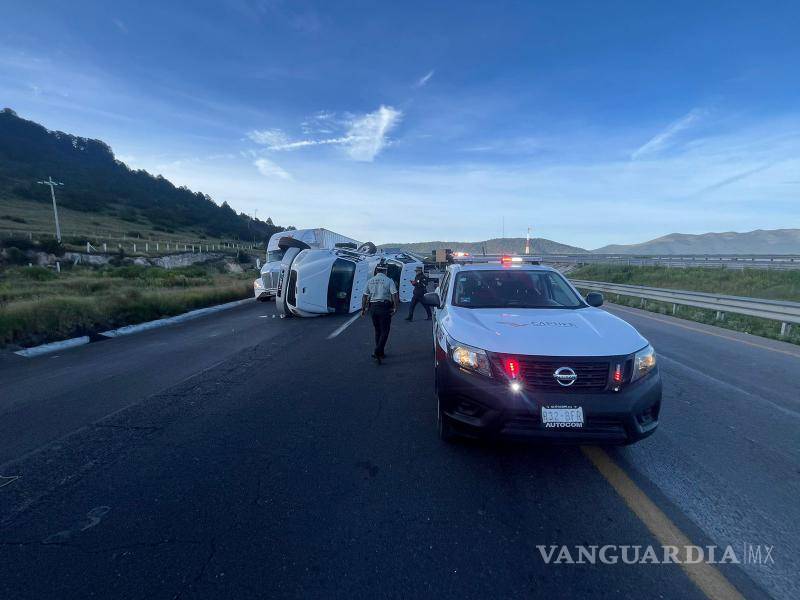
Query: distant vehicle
[(266, 286), (314, 282), (519, 353)]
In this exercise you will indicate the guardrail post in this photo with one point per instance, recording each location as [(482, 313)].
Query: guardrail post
[(674, 308), (147, 247), (134, 247), (643, 303), (786, 328), (105, 248), (720, 315)]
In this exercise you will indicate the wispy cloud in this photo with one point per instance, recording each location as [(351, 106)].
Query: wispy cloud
[(120, 24), (269, 169), (366, 135), (733, 179), (424, 79), (665, 138), (271, 138)]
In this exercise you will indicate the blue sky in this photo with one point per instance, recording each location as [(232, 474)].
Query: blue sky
[(591, 122)]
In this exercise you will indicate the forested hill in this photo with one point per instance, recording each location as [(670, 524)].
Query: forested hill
[(98, 183)]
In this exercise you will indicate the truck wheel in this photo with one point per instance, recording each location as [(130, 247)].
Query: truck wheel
[(290, 242), (368, 248)]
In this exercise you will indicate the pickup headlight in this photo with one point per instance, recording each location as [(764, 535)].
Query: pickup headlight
[(473, 359), (644, 361)]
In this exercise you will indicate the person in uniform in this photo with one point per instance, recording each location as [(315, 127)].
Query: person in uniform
[(420, 283), (381, 300)]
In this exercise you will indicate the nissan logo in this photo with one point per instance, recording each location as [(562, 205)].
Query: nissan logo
[(565, 376)]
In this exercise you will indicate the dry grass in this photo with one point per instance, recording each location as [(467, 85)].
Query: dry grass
[(38, 306)]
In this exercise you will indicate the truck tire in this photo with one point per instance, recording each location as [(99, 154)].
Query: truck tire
[(289, 242), (368, 248)]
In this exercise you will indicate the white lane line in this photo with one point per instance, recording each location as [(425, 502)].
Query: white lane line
[(344, 326)]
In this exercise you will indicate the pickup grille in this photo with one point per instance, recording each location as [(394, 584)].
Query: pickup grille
[(537, 373)]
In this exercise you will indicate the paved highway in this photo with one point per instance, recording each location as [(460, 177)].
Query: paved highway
[(243, 456)]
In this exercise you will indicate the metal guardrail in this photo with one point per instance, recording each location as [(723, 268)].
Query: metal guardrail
[(730, 261), (786, 312)]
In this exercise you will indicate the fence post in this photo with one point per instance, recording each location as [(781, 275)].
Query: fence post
[(674, 308), (720, 315), (105, 248), (786, 328), (147, 247), (134, 247), (87, 248)]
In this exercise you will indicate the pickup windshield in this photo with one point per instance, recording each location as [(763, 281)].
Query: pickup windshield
[(514, 289)]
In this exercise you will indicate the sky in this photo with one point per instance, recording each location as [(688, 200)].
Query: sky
[(589, 122)]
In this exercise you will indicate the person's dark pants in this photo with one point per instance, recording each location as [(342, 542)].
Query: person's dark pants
[(382, 322), (414, 301)]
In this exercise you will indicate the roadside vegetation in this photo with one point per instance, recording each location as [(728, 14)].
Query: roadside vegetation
[(753, 283), (38, 305)]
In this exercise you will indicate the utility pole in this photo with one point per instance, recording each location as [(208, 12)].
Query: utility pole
[(52, 185), (528, 242)]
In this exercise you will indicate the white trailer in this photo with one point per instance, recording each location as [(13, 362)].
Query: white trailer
[(266, 286)]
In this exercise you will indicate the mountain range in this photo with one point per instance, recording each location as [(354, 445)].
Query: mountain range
[(760, 241), (493, 246)]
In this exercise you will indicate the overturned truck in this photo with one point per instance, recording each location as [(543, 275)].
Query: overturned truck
[(321, 281)]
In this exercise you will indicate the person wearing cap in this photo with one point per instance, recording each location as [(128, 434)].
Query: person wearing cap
[(420, 283), (381, 300)]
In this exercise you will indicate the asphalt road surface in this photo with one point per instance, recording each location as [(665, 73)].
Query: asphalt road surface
[(244, 456)]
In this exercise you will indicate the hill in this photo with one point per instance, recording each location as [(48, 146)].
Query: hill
[(493, 246), (99, 184), (760, 241)]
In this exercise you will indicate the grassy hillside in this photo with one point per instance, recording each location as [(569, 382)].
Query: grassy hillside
[(100, 186), (21, 218), (753, 283), (493, 246)]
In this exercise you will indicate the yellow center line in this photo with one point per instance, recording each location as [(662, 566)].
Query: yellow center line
[(704, 575), (719, 335)]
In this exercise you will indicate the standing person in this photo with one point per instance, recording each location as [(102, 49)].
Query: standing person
[(420, 283), (382, 301)]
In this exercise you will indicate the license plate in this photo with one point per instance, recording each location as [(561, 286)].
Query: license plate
[(562, 416)]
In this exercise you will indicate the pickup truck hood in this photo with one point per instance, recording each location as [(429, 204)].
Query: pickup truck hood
[(544, 332)]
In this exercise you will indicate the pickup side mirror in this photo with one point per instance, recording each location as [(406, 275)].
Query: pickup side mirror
[(594, 299), (432, 299)]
